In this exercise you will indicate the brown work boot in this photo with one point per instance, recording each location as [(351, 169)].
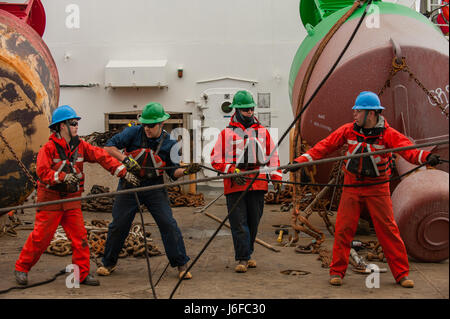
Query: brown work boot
[(406, 283), (105, 270), (335, 280), (241, 267), (181, 271), (251, 263)]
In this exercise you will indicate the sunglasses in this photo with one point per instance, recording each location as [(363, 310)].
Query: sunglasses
[(151, 125), (73, 123), (248, 109)]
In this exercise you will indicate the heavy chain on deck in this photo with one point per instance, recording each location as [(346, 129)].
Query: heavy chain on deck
[(177, 198), (100, 139), (10, 226), (97, 232)]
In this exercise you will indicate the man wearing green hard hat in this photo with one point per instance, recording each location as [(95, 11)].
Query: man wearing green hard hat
[(242, 146), (147, 148)]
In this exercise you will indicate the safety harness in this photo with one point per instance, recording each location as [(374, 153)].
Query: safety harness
[(368, 140), (250, 159), (67, 166), (149, 158)]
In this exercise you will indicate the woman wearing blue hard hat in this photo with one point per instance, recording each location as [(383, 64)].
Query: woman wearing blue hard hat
[(60, 170), (368, 133)]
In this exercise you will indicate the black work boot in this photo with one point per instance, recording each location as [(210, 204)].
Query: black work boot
[(21, 277), (90, 281)]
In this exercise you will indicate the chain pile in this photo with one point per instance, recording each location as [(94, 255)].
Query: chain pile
[(9, 227), (97, 232), (313, 199), (100, 139), (375, 253), (178, 198), (283, 197), (101, 204)]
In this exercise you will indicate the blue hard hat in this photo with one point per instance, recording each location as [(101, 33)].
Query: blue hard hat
[(63, 113), (367, 101)]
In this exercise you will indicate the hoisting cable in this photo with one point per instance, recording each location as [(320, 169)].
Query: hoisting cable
[(146, 246), (229, 175), (394, 178), (162, 273), (313, 62), (152, 187), (5, 210), (213, 236), (278, 143), (61, 272), (213, 178)]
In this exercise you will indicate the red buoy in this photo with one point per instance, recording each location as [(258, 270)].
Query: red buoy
[(420, 204), (32, 13)]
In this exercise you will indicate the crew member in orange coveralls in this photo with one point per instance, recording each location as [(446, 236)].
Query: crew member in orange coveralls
[(245, 145), (370, 132), (60, 171)]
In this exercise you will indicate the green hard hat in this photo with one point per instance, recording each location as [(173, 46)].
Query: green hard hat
[(153, 113), (243, 99)]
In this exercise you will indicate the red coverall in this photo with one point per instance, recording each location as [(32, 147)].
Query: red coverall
[(376, 198), (49, 170)]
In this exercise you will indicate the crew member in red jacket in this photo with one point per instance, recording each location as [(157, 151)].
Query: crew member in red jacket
[(370, 132), (60, 171), (245, 145)]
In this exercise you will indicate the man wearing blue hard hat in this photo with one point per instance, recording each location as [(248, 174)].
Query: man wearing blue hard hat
[(369, 132), (60, 170)]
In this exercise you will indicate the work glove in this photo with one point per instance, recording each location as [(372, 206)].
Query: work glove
[(131, 179), (291, 169), (276, 185), (192, 169), (300, 159), (71, 179), (433, 160), (131, 165), (240, 180)]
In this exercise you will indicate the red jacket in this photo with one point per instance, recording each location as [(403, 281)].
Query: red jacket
[(253, 145), (368, 169), (50, 165)]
